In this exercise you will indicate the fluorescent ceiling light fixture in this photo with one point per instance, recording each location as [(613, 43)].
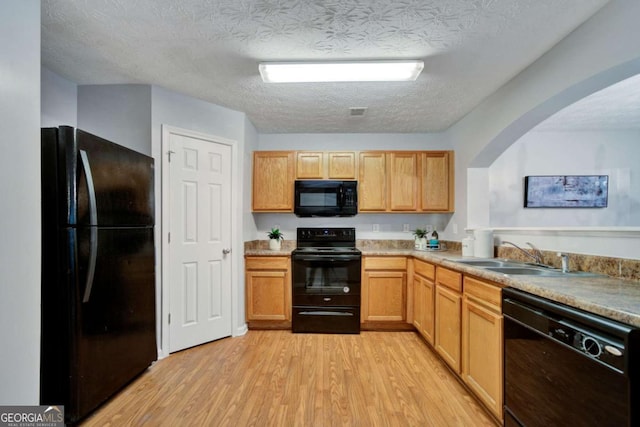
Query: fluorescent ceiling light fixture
[(365, 71)]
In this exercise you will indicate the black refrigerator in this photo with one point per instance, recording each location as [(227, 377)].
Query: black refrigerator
[(98, 269)]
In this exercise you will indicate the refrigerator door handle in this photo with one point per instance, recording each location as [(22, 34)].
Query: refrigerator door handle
[(93, 222)]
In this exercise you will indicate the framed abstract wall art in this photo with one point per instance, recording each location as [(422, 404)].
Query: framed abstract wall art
[(566, 191)]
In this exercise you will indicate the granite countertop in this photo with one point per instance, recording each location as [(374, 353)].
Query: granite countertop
[(267, 252), (610, 297)]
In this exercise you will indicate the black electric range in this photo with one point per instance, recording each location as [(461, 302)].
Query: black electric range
[(326, 281)]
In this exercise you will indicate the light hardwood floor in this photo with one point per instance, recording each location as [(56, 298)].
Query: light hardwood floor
[(276, 378)]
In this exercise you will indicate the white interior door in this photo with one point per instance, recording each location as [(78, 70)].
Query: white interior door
[(199, 240)]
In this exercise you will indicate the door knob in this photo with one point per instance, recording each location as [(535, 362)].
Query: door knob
[(226, 251)]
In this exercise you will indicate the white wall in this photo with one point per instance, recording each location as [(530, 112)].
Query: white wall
[(59, 100), (354, 141), (568, 153), (173, 109), (118, 113), (390, 225), (251, 144), (602, 51), (20, 191), (249, 228)]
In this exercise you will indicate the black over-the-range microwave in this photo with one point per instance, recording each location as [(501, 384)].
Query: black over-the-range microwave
[(326, 198)]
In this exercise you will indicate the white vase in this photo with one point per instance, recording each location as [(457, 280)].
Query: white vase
[(420, 243), (275, 244)]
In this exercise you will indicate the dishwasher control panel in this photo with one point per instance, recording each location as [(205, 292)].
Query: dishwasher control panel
[(596, 337), (595, 344)]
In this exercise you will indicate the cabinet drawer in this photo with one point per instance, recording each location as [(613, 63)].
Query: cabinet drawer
[(483, 291), (384, 263), (449, 278), (267, 263), (326, 300), (424, 269)]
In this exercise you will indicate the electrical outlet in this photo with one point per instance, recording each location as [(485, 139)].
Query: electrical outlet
[(429, 228), (455, 228), (405, 228), (376, 228), (276, 227)]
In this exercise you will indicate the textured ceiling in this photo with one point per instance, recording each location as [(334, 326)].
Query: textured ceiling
[(210, 49)]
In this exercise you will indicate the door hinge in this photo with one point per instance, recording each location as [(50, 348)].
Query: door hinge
[(169, 153), (169, 318), (169, 237)]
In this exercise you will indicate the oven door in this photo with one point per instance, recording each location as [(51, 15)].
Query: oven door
[(323, 274)]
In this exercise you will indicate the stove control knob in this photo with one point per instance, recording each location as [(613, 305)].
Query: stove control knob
[(346, 289)]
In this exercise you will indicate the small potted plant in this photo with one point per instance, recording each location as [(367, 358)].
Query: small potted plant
[(275, 239), (420, 241)]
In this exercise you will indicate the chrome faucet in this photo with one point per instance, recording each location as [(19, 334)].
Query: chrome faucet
[(565, 261), (535, 253)]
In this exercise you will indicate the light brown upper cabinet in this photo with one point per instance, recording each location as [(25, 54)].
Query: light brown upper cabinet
[(402, 176), (388, 181), (273, 176), (372, 185), (326, 165), (406, 181), (309, 165), (342, 165), (436, 179)]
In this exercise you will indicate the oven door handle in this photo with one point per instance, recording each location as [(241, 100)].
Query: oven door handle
[(327, 258)]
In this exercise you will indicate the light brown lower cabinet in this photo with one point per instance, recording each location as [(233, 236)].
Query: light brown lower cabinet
[(448, 302), (482, 335), (424, 299), (384, 289), (268, 288)]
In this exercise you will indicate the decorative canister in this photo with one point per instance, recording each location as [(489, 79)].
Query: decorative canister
[(483, 246)]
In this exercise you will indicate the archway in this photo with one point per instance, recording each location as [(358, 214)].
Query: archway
[(536, 115)]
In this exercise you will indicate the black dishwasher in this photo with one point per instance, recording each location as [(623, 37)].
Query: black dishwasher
[(567, 367)]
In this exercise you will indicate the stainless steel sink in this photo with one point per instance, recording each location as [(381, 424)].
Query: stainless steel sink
[(526, 271), (516, 268), (540, 271), (490, 263)]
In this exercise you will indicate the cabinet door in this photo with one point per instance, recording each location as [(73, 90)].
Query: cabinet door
[(385, 296), (448, 312), (482, 353), (268, 295), (402, 174), (424, 308), (342, 165), (429, 312), (272, 181), (309, 165), (437, 181), (372, 182), (418, 305)]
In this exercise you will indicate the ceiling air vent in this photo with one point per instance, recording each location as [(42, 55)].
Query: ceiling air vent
[(357, 111)]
